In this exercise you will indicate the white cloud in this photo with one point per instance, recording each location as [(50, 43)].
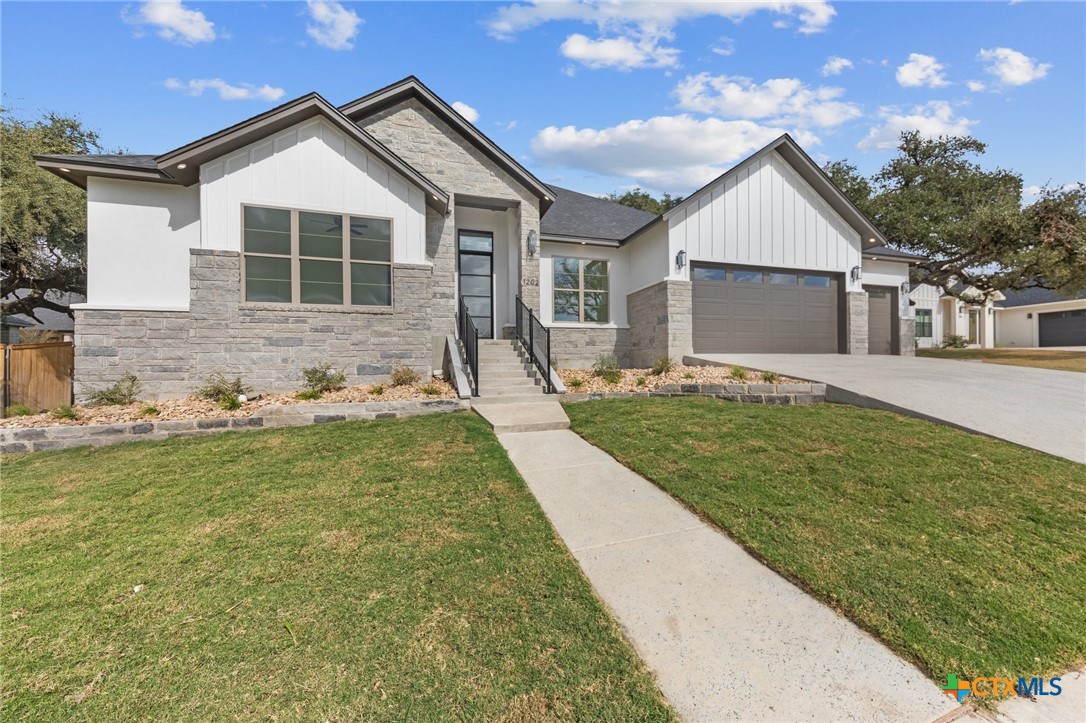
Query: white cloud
[(933, 119), (921, 70), (245, 91), (334, 26), (664, 153), (787, 101), (975, 86), (470, 114), (1012, 67), (175, 22), (725, 46), (835, 64), (621, 53), (508, 126), (633, 34)]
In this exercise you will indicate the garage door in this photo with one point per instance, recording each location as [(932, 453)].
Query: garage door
[(764, 310), (1063, 328)]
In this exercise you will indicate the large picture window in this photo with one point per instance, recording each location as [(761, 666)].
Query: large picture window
[(581, 290), (306, 257), (923, 323)]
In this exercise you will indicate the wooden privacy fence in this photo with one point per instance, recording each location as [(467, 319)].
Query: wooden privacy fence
[(37, 375)]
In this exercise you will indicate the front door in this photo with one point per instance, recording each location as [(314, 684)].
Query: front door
[(475, 262), (974, 324)]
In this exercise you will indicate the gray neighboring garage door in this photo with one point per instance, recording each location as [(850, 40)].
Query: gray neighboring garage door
[(1063, 328), (764, 310)]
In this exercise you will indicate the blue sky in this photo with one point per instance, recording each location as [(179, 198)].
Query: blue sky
[(592, 96)]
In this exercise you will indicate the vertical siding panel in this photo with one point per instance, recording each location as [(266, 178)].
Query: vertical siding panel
[(287, 167), (788, 231), (334, 168), (311, 182), (755, 203), (720, 222), (731, 222), (769, 211), (705, 226), (742, 202)]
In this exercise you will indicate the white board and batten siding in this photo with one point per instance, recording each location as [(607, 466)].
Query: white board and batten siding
[(312, 166), (765, 214)]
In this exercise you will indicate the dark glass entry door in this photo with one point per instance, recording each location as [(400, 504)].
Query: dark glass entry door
[(475, 261)]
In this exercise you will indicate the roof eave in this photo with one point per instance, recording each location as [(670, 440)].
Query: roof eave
[(582, 240), (76, 172)]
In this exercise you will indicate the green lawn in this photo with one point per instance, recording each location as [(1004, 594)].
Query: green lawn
[(965, 554), (383, 570), (1062, 360)]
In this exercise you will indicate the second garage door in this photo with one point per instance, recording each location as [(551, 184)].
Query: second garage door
[(764, 310), (1063, 328)]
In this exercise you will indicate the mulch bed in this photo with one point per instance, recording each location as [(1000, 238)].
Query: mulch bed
[(643, 380)]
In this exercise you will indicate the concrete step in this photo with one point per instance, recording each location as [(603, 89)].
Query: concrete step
[(519, 392), (520, 373), (486, 355), (502, 366), (529, 398), (486, 390), (539, 416)]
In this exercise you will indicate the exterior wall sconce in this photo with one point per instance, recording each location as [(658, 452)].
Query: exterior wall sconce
[(680, 259), (855, 274), (1029, 316), (533, 242)]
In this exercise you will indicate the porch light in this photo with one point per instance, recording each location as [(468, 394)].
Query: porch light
[(680, 259), (855, 274), (533, 242), (182, 166), (65, 170)]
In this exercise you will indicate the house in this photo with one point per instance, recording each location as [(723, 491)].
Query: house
[(1040, 317), (352, 234), (48, 319), (967, 313)]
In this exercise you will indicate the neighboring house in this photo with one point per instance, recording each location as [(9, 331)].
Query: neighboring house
[(350, 234), (1039, 317), (938, 315), (49, 320)]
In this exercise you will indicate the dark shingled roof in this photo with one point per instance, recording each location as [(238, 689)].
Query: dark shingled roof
[(1026, 297), (111, 159), (581, 215)]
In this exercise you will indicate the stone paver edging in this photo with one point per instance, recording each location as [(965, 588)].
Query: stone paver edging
[(39, 439), (750, 393)]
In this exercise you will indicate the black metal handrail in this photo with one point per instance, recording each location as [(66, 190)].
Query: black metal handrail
[(536, 340), (469, 338)]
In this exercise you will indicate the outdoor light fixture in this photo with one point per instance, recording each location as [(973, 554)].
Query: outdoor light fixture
[(680, 259), (182, 166), (65, 170), (855, 273), (533, 242), (1029, 316)]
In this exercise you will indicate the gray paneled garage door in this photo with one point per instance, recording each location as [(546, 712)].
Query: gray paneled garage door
[(1063, 328), (764, 310)]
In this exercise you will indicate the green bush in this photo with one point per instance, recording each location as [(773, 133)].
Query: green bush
[(604, 365), (738, 372), (770, 377), (662, 365), (430, 389), (688, 375), (124, 391), (308, 394), (575, 383), (321, 378), (64, 411), (612, 376), (954, 341), (641, 381), (149, 411), (18, 410), (377, 389), (402, 376), (225, 391)]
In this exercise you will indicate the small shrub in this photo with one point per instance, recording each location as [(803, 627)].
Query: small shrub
[(430, 389), (377, 389), (954, 341), (604, 365), (641, 381), (149, 411), (18, 410), (64, 411), (225, 391), (738, 372), (402, 376), (612, 376), (575, 383), (308, 395), (662, 365), (770, 377), (688, 375), (322, 378), (124, 391)]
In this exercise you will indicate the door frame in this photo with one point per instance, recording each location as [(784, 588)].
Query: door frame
[(493, 272), (895, 317)]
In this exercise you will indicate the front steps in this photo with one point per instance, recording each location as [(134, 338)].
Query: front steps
[(511, 396)]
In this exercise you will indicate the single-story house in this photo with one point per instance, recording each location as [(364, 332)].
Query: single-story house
[(969, 314), (1040, 317), (352, 234), (48, 319)]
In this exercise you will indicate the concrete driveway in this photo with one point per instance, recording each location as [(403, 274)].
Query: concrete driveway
[(1038, 408)]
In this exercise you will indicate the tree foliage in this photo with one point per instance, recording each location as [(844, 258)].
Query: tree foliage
[(935, 200), (44, 230), (640, 199)]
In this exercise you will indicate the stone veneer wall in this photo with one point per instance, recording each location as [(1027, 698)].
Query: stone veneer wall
[(906, 332), (661, 322), (856, 322), (577, 348), (267, 345)]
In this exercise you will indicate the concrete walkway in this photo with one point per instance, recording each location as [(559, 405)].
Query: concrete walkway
[(1039, 408), (727, 638)]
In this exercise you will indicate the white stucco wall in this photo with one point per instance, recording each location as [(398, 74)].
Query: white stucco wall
[(1019, 326), (618, 279), (888, 273), (138, 240), (312, 166), (648, 258), (765, 215), (928, 297)]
